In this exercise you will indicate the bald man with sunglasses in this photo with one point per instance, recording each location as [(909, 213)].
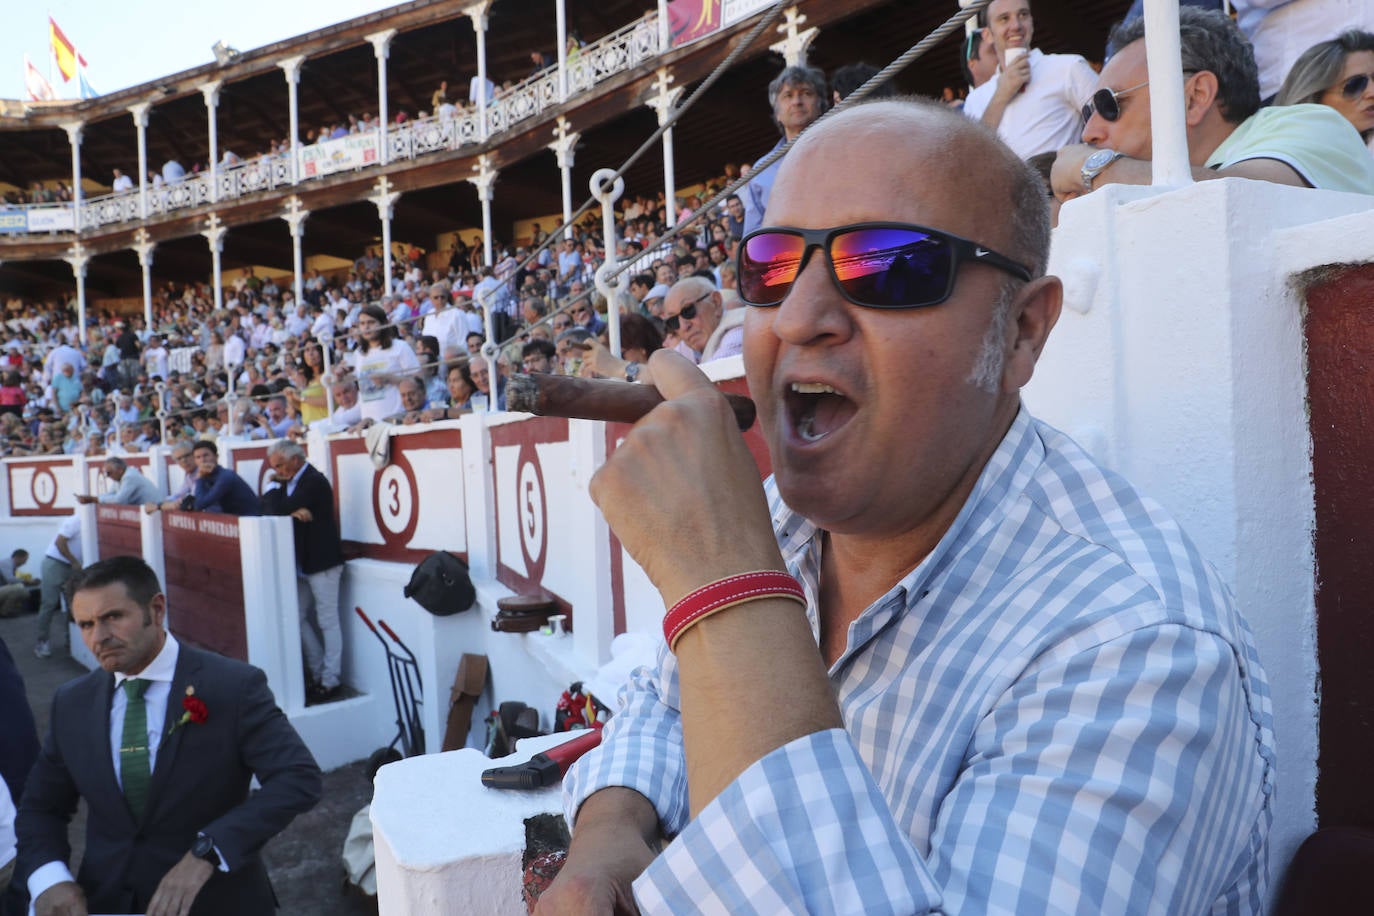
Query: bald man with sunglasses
[(695, 311), (1229, 135), (940, 661)]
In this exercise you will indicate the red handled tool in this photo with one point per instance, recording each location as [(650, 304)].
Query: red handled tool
[(542, 769)]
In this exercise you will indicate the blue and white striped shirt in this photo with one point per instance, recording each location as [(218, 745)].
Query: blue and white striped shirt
[(1058, 711)]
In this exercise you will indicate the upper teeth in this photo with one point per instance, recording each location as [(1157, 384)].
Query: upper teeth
[(812, 388)]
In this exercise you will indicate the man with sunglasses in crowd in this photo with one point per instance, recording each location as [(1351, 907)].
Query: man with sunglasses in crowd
[(1229, 135), (695, 312), (1034, 99), (940, 661)]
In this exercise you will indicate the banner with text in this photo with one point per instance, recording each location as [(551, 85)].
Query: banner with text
[(341, 155)]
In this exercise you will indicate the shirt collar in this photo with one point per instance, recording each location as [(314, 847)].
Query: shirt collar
[(1007, 472), (296, 477), (161, 668)]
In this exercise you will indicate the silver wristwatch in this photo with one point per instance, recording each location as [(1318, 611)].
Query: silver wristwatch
[(631, 371), (1096, 164)]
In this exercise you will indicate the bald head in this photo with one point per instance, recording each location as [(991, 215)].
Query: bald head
[(947, 153), (692, 310)]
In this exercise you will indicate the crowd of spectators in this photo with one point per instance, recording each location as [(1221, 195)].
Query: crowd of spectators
[(362, 348), (359, 348)]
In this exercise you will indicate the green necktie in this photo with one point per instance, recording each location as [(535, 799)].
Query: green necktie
[(133, 749)]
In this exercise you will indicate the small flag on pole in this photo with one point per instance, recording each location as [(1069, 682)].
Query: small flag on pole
[(39, 89), (86, 91), (64, 52)]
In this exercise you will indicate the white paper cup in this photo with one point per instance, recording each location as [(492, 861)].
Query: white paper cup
[(1012, 55)]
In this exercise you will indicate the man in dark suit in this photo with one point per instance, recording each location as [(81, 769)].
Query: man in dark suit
[(161, 743), (303, 493)]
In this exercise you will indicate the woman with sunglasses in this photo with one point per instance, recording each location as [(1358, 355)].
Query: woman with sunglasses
[(1339, 74)]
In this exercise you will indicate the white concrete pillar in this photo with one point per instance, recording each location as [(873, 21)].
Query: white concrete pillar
[(664, 102), (210, 91), (562, 49), (78, 259), (381, 47), (385, 201), (295, 217), (477, 12), (73, 129), (665, 35), (292, 68), (144, 246), (796, 41), (214, 234), (1171, 167), (564, 147), (140, 113), (484, 180)]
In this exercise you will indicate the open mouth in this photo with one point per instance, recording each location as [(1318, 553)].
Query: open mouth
[(816, 410)]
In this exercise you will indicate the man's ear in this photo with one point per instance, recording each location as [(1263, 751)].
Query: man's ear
[(1034, 312), (1199, 95)]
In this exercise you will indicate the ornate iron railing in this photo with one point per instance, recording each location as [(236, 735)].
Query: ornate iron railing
[(625, 49)]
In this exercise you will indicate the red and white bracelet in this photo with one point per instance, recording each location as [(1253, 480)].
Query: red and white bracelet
[(726, 593)]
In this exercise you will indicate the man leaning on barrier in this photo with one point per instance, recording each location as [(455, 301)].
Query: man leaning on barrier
[(1016, 687)]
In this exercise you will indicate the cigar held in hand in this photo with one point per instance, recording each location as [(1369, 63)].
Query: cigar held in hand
[(598, 399)]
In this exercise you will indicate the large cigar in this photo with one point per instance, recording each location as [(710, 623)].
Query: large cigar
[(597, 399)]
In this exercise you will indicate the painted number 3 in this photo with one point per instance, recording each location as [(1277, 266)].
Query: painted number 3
[(393, 487)]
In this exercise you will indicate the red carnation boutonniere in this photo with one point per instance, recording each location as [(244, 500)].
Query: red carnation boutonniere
[(194, 710)]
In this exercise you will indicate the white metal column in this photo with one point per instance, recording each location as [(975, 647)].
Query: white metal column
[(562, 50), (385, 201), (210, 91), (381, 47), (564, 147), (144, 246), (663, 102), (78, 259), (478, 14), (295, 216), (214, 234), (73, 129), (484, 180), (140, 113), (292, 68)]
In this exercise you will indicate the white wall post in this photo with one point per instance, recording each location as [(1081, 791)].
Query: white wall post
[(381, 47), (665, 35), (210, 91), (292, 68), (1171, 166)]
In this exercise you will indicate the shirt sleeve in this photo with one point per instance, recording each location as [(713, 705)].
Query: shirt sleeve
[(1081, 82), (1123, 775)]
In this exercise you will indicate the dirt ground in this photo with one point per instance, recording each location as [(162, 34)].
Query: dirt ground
[(303, 860)]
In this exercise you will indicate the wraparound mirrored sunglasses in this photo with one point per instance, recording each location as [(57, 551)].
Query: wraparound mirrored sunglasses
[(876, 265)]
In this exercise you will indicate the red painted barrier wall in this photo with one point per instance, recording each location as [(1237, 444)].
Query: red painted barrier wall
[(1340, 381), (205, 581)]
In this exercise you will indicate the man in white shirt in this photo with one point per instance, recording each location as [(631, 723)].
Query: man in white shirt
[(155, 358), (122, 182), (62, 558), (1035, 101)]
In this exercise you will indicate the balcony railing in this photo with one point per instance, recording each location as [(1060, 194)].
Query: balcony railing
[(622, 50)]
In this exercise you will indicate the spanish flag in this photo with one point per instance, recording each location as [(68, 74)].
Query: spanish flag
[(64, 51)]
